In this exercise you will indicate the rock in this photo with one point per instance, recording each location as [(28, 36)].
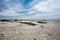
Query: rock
[(34, 39), (42, 26), (2, 36), (49, 34)]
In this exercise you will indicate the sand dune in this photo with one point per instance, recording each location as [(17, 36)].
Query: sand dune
[(30, 30)]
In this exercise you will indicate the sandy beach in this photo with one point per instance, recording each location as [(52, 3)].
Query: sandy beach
[(25, 31)]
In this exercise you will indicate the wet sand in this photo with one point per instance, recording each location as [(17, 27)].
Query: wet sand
[(21, 31)]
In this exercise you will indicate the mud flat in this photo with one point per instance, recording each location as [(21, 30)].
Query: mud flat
[(32, 30)]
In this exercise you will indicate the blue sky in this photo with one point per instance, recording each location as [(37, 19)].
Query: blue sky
[(30, 9)]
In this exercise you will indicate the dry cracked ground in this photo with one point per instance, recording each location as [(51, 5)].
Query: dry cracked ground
[(20, 31)]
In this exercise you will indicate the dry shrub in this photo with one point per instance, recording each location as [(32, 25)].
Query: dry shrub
[(42, 22)]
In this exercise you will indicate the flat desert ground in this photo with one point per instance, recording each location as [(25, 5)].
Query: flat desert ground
[(21, 31)]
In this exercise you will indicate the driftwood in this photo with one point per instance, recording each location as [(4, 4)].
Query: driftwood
[(29, 23)]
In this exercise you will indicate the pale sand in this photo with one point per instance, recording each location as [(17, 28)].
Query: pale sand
[(19, 31)]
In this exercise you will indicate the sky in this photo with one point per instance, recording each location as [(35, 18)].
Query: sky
[(30, 9)]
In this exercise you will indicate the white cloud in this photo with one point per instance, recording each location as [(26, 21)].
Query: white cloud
[(16, 6), (43, 6), (12, 9), (53, 15), (9, 13), (48, 7), (31, 12)]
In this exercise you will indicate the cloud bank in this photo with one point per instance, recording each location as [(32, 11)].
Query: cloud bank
[(30, 9)]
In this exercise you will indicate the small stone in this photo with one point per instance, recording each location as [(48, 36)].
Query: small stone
[(49, 34), (34, 39), (42, 26)]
